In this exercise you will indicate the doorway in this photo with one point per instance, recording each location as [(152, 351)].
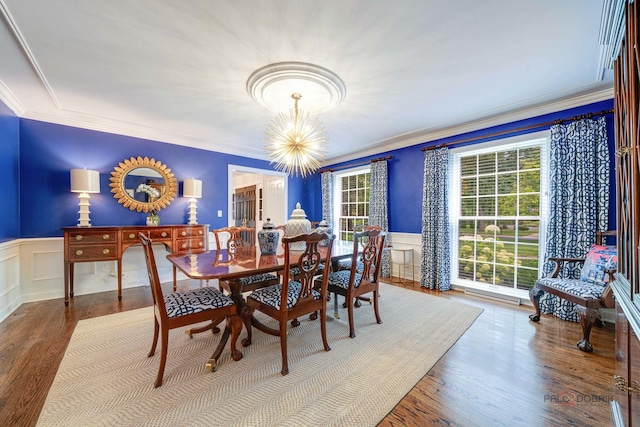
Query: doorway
[(255, 195)]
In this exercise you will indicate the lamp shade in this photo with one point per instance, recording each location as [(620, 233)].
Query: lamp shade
[(85, 181), (192, 188)]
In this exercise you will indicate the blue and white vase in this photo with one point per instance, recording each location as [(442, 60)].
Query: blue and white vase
[(298, 224), (323, 227), (268, 238)]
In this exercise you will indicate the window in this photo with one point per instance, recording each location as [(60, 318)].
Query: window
[(498, 213), (351, 201)]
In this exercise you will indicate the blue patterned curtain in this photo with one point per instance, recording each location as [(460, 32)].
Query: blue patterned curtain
[(327, 198), (435, 271), (578, 199), (378, 208), (578, 190)]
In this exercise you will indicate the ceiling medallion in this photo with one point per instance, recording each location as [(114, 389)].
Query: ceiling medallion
[(271, 86)]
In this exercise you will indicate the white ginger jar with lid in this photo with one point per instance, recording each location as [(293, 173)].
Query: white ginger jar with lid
[(298, 224)]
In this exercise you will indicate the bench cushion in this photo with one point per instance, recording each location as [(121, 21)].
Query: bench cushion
[(560, 307), (598, 259)]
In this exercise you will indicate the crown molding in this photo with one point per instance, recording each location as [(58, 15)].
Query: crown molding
[(418, 137), (148, 133), (10, 100), (11, 23)]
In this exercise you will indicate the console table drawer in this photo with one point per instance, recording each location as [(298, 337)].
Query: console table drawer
[(132, 236), (187, 245), (80, 253), (92, 237), (196, 231)]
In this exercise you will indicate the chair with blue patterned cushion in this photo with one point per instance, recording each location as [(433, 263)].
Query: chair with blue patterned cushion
[(579, 299), (178, 309), (352, 284), (345, 264), (237, 243), (295, 298)]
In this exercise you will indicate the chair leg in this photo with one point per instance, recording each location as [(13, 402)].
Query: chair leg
[(588, 317), (154, 344), (164, 346), (335, 306), (323, 328), (283, 347), (534, 296), (352, 333), (375, 306)]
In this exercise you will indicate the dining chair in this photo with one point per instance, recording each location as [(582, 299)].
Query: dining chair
[(345, 264), (354, 283), (294, 298), (236, 243), (178, 309)]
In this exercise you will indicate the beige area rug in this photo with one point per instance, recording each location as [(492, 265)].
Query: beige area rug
[(107, 379)]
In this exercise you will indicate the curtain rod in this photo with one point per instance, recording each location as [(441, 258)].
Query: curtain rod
[(506, 132), (351, 165)]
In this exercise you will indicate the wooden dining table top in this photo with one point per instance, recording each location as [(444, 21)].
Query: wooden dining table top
[(221, 264)]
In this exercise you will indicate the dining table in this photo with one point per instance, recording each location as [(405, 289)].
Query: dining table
[(228, 267)]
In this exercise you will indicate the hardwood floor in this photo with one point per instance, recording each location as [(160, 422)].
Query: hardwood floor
[(505, 370)]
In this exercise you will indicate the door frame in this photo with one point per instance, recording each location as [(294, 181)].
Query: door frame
[(231, 169)]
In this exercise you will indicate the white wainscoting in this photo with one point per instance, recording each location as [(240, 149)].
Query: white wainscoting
[(9, 278), (406, 241), (33, 270)]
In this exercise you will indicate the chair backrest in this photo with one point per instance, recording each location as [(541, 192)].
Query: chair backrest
[(372, 243), (152, 271), (239, 237), (601, 236), (308, 262)]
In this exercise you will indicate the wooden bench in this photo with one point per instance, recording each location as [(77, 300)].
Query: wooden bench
[(588, 297)]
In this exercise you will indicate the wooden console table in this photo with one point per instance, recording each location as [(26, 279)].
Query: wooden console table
[(93, 244)]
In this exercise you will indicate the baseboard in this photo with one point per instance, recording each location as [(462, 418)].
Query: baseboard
[(511, 299)]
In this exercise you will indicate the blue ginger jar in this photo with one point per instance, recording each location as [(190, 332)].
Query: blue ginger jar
[(268, 238), (323, 227)]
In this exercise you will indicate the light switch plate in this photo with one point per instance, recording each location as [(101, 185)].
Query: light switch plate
[(219, 214)]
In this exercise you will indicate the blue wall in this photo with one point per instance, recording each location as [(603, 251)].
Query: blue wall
[(9, 174), (50, 151), (406, 167), (36, 157)]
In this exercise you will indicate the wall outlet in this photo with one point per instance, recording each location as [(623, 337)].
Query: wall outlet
[(219, 214)]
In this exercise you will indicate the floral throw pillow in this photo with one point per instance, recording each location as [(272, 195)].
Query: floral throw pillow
[(598, 259)]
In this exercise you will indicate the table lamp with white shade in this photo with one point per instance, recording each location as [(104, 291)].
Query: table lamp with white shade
[(84, 181), (192, 188)]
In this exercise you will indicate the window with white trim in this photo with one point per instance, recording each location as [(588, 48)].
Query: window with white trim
[(351, 201), (498, 212)]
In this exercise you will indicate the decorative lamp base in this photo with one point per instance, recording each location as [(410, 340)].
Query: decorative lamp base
[(193, 205)]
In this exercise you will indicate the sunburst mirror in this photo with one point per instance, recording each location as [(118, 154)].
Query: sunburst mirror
[(143, 184)]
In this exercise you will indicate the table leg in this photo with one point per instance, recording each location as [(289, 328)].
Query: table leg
[(71, 268), (67, 267), (119, 262)]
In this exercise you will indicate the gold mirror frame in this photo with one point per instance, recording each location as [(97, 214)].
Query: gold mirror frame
[(120, 172)]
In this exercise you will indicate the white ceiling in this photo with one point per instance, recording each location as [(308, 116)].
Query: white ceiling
[(414, 70)]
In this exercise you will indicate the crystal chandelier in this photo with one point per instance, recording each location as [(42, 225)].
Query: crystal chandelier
[(295, 142)]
